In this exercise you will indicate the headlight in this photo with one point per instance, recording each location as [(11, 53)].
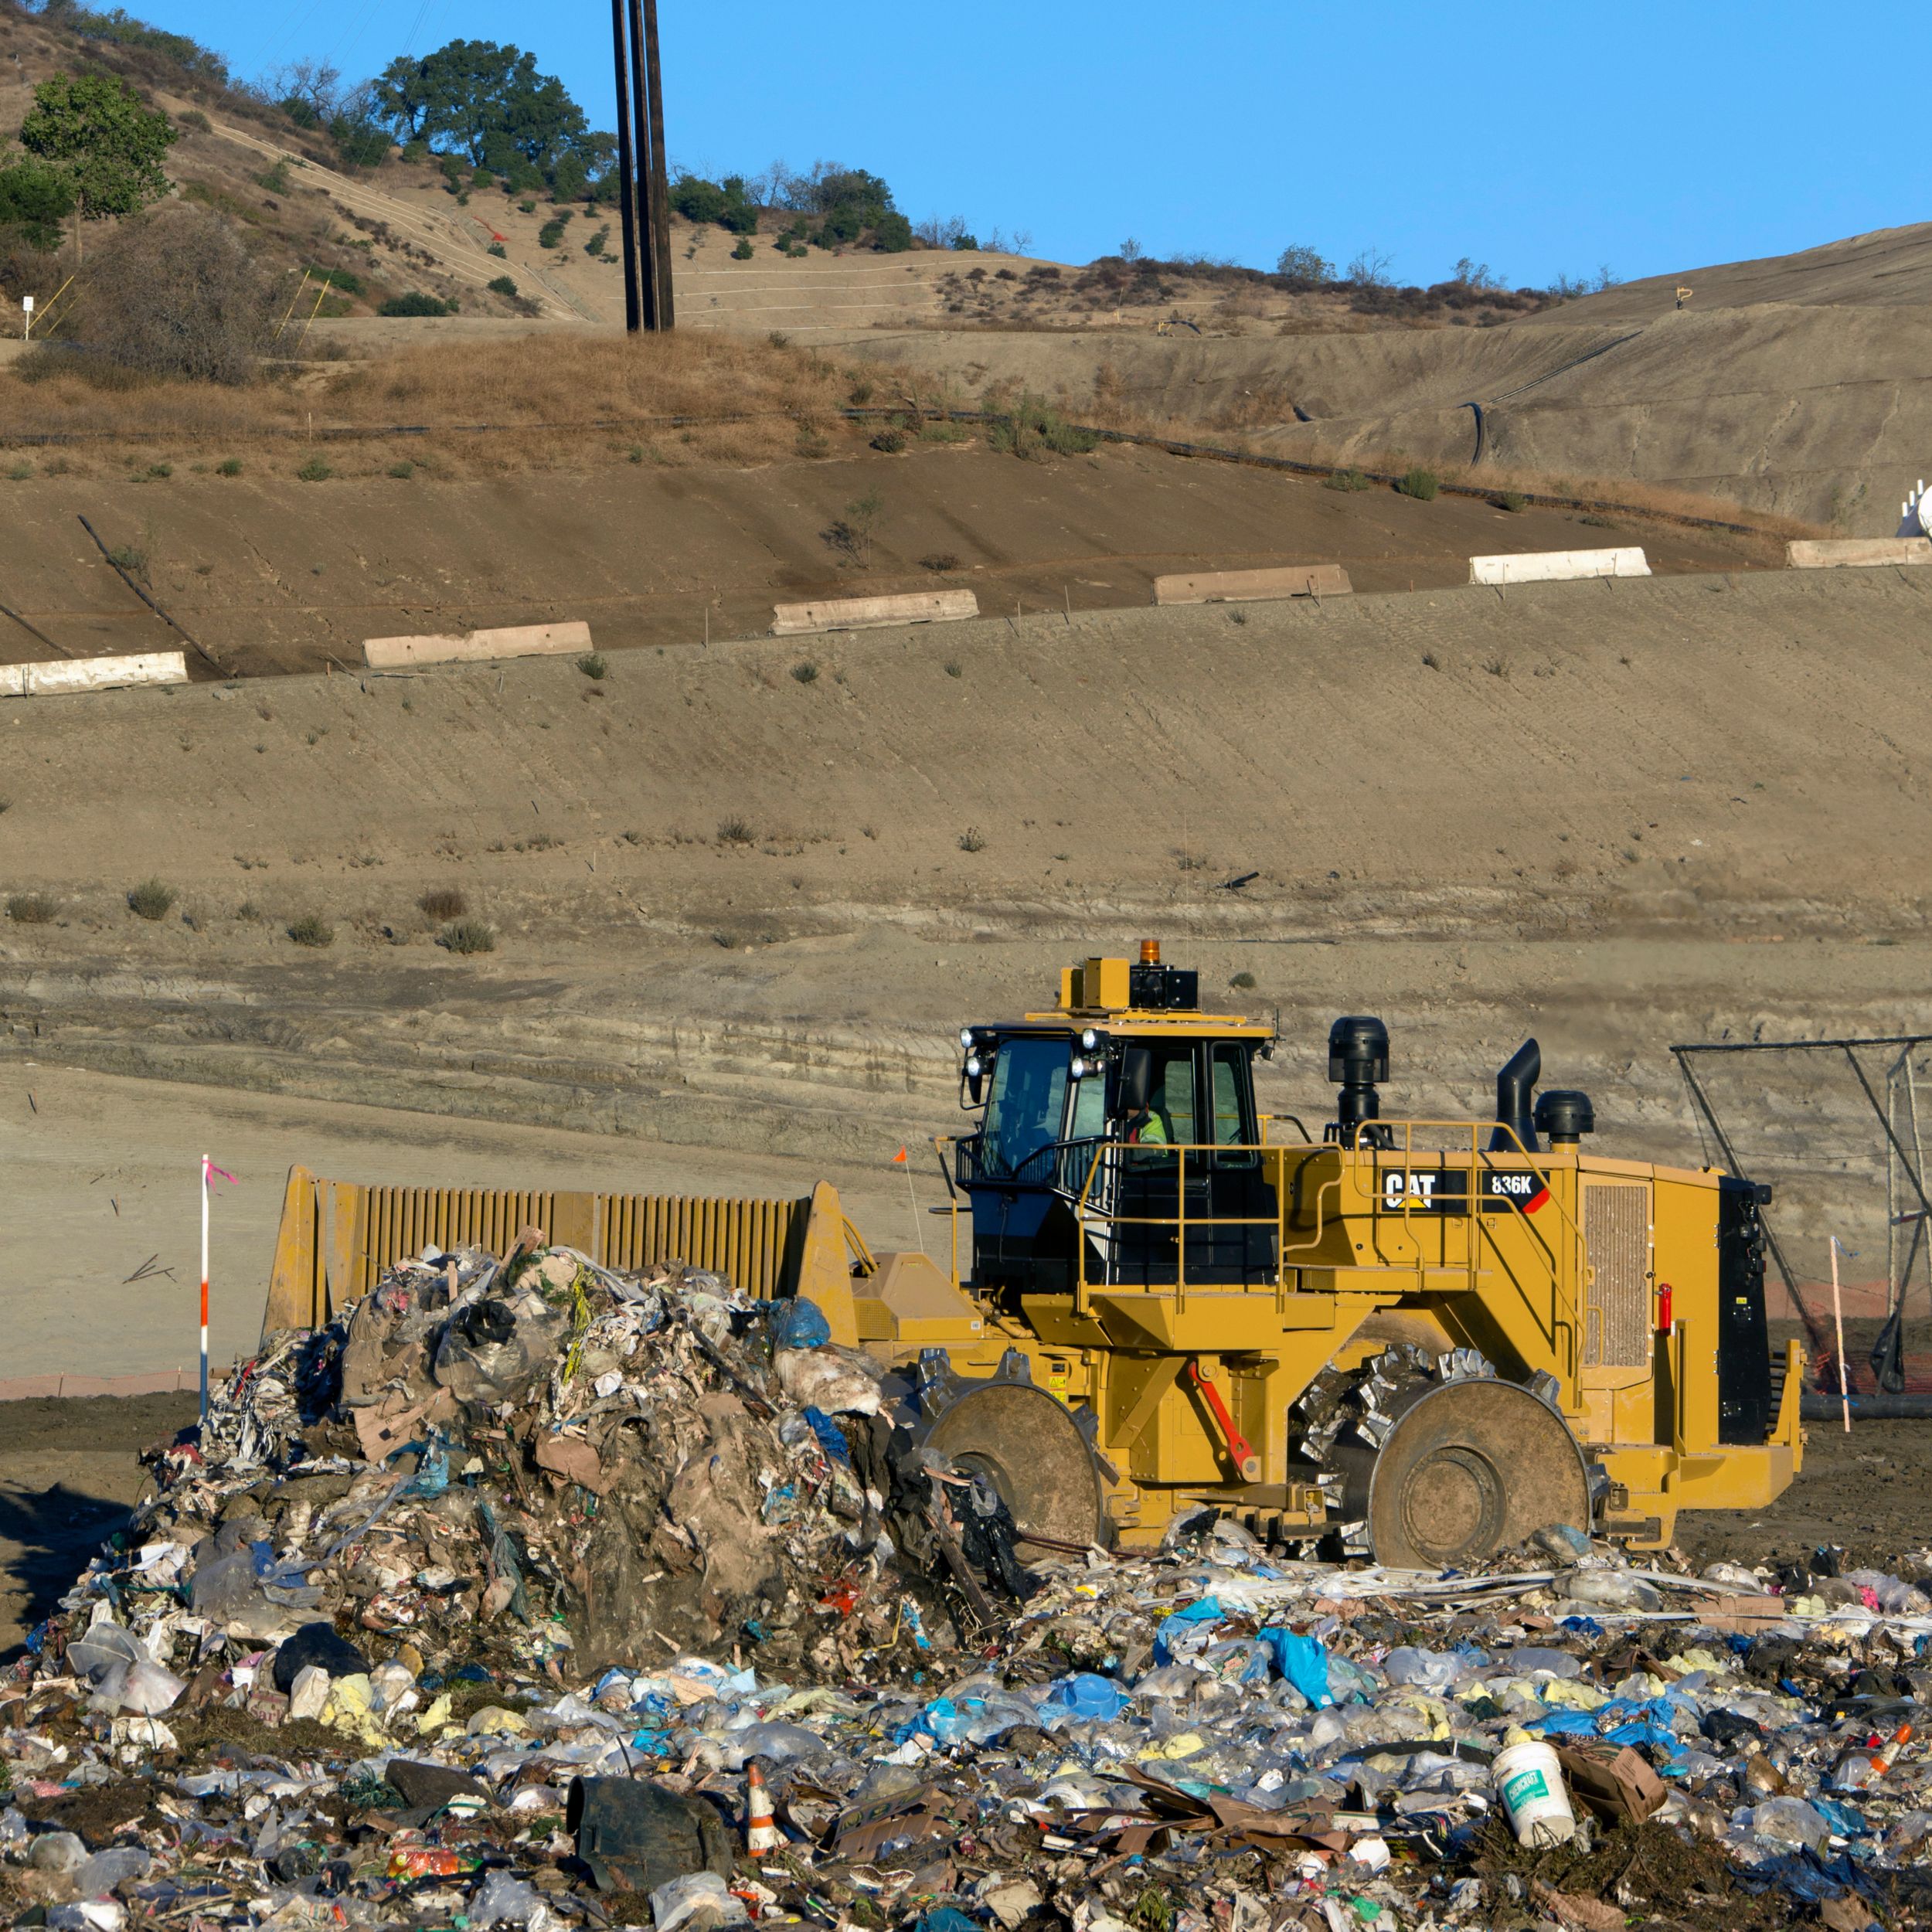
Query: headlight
[(974, 1067), (1078, 1068), (965, 1038), (1090, 1040)]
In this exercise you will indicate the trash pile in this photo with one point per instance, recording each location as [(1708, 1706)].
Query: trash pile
[(527, 1595)]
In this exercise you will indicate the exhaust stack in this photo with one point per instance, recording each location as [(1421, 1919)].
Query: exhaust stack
[(1516, 1082), (1357, 1059)]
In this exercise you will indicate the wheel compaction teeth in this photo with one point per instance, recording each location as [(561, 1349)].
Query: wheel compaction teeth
[(1464, 1365), (1374, 1429)]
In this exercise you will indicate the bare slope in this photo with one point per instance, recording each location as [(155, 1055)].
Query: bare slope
[(1796, 385), (1888, 268), (271, 573), (740, 910)]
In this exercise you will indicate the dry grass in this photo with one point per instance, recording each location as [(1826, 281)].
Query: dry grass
[(559, 399), (443, 902)]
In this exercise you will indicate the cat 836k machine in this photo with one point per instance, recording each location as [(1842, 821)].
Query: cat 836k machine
[(1419, 1340)]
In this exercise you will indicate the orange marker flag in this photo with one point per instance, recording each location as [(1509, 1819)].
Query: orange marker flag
[(899, 1159)]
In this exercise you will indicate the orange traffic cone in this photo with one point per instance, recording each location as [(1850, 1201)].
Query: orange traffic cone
[(761, 1835)]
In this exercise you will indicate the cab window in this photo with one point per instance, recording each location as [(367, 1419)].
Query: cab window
[(1233, 1115), (1171, 1094), (1024, 1107), (1089, 1109), (1230, 1079)]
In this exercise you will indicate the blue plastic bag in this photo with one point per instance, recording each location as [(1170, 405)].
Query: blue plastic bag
[(799, 1323), (830, 1436), (1303, 1661), (1203, 1611)]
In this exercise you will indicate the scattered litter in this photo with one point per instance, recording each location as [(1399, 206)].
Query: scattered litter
[(527, 1594)]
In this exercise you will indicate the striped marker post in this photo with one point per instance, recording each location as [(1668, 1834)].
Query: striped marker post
[(209, 1175), (207, 1182)]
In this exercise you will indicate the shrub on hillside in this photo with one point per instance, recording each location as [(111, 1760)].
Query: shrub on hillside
[(503, 285), (1306, 265), (35, 200), (467, 936), (416, 303), (1034, 430), (176, 293), (1422, 485), (151, 899)]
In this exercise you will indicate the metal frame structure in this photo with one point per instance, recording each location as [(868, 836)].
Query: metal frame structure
[(1904, 1169)]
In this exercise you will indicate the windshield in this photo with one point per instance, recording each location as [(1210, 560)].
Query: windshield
[(1028, 1096)]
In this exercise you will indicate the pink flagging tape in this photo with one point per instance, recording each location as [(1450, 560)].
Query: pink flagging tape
[(156, 1382)]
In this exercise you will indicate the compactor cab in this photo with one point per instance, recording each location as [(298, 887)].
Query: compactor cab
[(1117, 1133)]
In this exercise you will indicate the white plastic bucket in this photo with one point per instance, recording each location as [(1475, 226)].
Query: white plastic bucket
[(1529, 1781)]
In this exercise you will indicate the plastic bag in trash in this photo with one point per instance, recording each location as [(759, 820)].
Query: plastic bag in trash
[(506, 1900), (1789, 1820), (799, 1323), (1304, 1662), (121, 1674), (1560, 1541), (492, 1347), (1609, 1589), (106, 1869), (1183, 1634), (1427, 1670), (780, 1743), (702, 1900), (317, 1644)]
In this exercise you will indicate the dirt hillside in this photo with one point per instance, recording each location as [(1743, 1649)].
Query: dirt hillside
[(272, 574), (740, 910)]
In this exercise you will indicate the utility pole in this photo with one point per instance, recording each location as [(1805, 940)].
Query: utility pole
[(645, 194), (660, 187), (626, 175)]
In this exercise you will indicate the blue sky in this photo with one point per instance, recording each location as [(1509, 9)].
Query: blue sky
[(1537, 138)]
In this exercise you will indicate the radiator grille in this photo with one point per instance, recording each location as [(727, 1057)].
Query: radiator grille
[(1616, 1239)]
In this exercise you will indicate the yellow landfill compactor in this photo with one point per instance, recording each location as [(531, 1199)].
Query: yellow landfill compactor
[(1417, 1340)]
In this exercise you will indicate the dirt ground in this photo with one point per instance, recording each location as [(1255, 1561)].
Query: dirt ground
[(1868, 1493), (68, 1475)]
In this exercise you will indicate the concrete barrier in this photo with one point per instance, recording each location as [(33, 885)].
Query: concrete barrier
[(1247, 587), (1837, 553), (1557, 566), (515, 641), (870, 614), (91, 674)]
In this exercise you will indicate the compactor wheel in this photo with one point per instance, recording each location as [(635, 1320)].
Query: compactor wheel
[(1470, 1468), (1430, 1461), (1033, 1452)]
